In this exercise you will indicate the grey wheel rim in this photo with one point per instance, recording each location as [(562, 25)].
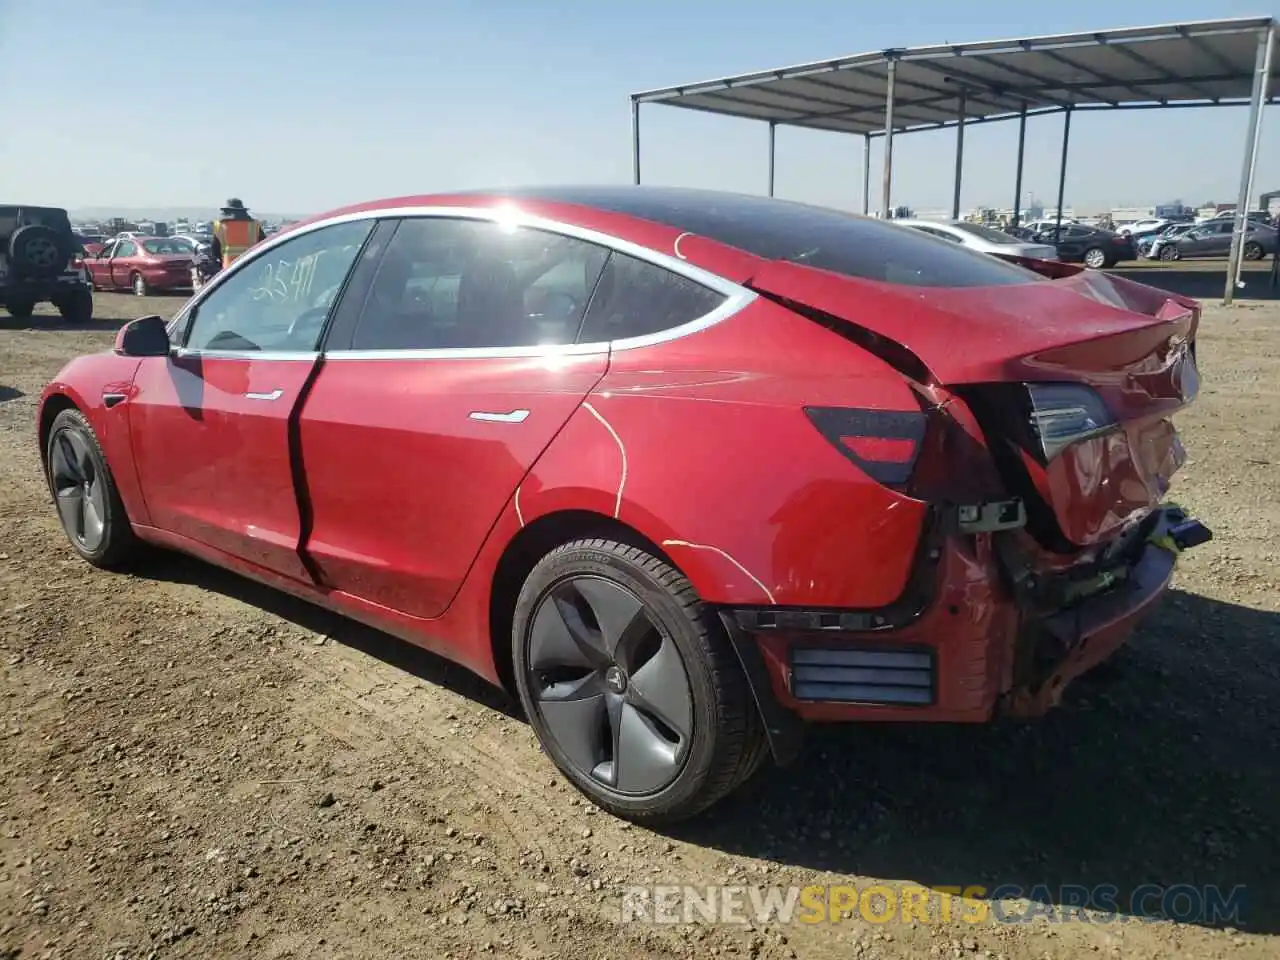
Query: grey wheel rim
[(78, 490), (139, 285), (1095, 258), (610, 686)]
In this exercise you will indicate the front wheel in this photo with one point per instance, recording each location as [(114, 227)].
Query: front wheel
[(84, 492), (21, 309), (630, 683), (1095, 257)]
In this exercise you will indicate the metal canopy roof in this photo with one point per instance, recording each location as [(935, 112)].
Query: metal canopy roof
[(1207, 63)]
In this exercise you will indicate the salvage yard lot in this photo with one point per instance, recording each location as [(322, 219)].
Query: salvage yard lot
[(194, 766)]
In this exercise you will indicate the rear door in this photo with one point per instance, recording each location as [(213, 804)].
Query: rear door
[(435, 399), (210, 424)]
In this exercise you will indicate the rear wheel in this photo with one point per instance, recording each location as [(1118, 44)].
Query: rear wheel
[(139, 283), (21, 309), (76, 306), (1095, 257), (630, 683), (84, 492), (1253, 250)]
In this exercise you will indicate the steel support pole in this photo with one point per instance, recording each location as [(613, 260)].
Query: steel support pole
[(1062, 169), (955, 199), (887, 187), (866, 174), (1261, 81), (773, 138), (635, 141), (1022, 151)]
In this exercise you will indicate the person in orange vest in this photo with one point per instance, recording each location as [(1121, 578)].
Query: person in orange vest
[(235, 232)]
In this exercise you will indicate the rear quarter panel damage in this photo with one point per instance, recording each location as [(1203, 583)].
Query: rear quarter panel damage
[(702, 445)]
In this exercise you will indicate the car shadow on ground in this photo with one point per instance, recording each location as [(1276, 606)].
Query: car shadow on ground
[(1203, 284), (420, 663), (9, 393), (42, 322), (1162, 767)]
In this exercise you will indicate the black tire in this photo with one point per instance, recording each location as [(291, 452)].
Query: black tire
[(38, 251), (74, 459), (76, 306), (21, 309), (1253, 250), (1169, 253), (139, 284), (724, 743)]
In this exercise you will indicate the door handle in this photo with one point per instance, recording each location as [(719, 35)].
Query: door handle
[(513, 416), (275, 394)]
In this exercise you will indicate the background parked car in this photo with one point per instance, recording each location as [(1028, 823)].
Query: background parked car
[(1092, 246), (1148, 245), (142, 264), (1150, 225), (1213, 239), (984, 239)]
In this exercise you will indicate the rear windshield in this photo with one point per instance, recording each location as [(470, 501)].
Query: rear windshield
[(813, 236), (167, 245)]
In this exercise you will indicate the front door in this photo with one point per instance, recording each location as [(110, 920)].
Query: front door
[(211, 423), (434, 401), (120, 263)]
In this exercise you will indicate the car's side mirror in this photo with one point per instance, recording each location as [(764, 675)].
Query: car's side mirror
[(145, 337)]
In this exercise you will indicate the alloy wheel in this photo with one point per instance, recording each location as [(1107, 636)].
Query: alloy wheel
[(609, 685), (1095, 258), (78, 490)]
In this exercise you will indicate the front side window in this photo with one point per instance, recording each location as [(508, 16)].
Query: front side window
[(458, 283), (281, 298), (125, 248)]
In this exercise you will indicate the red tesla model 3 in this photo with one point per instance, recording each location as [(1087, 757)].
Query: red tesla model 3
[(683, 470)]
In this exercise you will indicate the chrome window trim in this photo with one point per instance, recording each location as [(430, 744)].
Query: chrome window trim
[(179, 353), (737, 297)]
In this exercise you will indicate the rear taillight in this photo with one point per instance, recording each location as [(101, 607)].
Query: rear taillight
[(1063, 413), (883, 444)]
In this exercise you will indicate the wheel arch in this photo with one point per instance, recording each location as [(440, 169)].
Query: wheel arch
[(530, 544), (54, 404)]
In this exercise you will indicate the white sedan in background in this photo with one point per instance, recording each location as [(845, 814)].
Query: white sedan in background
[(975, 236)]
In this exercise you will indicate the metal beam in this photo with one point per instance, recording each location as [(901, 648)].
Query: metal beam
[(773, 136), (955, 199), (1127, 51), (866, 174), (887, 188), (1261, 82), (635, 140), (1104, 77), (1022, 150), (1062, 172)]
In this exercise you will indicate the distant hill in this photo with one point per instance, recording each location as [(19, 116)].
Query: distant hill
[(167, 214)]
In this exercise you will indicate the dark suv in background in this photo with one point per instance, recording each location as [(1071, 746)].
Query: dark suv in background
[(38, 263)]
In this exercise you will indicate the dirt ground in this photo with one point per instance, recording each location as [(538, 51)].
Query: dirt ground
[(194, 766)]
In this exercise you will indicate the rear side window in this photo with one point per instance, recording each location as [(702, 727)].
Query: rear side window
[(635, 299)]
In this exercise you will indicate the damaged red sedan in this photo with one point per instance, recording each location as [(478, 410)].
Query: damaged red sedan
[(682, 470)]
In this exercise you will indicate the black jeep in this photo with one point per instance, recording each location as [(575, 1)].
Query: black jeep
[(37, 263)]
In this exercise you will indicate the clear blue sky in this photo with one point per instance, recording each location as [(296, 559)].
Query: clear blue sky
[(301, 105)]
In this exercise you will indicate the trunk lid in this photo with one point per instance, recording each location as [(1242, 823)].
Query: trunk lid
[(1131, 344)]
